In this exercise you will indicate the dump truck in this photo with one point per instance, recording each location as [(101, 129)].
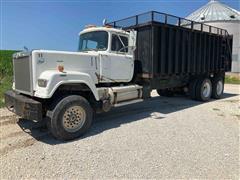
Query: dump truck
[(116, 64)]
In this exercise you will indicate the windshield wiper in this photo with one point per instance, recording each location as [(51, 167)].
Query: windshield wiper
[(96, 50), (84, 50), (92, 50)]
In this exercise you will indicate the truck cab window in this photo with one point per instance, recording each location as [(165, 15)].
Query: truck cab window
[(117, 45), (97, 40)]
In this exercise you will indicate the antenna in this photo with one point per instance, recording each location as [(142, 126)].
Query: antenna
[(25, 48)]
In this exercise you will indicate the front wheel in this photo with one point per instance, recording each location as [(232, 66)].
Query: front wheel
[(70, 118)]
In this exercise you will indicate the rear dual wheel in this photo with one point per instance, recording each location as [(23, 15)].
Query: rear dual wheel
[(218, 87), (203, 89), (200, 89)]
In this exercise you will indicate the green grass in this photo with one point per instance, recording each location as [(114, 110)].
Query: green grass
[(232, 80), (6, 84), (6, 63), (6, 72)]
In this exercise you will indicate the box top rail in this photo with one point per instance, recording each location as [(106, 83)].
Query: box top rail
[(154, 16)]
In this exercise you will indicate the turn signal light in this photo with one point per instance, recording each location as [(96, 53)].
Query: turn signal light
[(60, 68)]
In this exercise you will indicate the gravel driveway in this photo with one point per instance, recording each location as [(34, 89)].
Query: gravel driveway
[(160, 138)]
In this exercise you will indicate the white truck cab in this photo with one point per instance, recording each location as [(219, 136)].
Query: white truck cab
[(114, 49), (103, 54), (100, 71)]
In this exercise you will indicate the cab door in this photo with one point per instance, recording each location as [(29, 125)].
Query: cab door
[(105, 67), (122, 63)]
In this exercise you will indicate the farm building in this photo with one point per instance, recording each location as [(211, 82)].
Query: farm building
[(220, 15)]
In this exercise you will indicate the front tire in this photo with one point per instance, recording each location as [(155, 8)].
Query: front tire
[(70, 118)]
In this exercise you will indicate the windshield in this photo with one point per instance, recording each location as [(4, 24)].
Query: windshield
[(97, 40)]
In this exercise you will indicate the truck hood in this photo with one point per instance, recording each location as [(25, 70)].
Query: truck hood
[(45, 60), (65, 52)]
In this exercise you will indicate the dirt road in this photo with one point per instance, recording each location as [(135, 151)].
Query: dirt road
[(161, 138)]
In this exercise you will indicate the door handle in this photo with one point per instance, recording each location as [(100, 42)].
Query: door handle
[(104, 55)]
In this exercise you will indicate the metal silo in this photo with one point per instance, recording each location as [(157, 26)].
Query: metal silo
[(220, 15)]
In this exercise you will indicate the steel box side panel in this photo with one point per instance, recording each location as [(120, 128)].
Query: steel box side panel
[(144, 49), (176, 50), (228, 53)]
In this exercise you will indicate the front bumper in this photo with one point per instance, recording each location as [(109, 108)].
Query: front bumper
[(23, 106)]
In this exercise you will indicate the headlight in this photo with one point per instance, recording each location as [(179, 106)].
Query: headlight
[(42, 82)]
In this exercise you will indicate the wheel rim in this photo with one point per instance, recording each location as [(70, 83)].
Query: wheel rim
[(74, 118), (206, 89), (219, 87)]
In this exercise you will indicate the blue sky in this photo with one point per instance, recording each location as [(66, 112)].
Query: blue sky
[(55, 24)]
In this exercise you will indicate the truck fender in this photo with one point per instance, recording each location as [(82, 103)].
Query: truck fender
[(56, 79)]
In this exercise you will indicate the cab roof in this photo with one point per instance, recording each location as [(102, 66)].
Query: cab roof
[(108, 29)]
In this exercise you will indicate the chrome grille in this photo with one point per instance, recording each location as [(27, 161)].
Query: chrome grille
[(22, 74)]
